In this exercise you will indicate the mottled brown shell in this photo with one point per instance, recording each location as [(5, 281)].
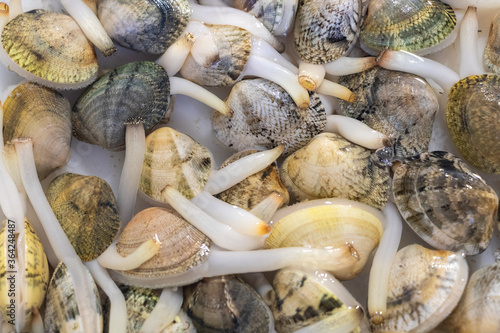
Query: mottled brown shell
[(399, 105), (473, 117), (329, 166), (491, 55), (445, 203), (87, 210), (234, 46), (225, 304), (264, 114)]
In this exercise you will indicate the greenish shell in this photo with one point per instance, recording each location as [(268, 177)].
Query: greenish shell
[(491, 55), (135, 91), (445, 203), (473, 118), (87, 210)]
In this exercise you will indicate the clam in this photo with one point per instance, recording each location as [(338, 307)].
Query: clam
[(399, 105), (491, 55), (424, 287), (398, 25), (44, 115), (445, 203), (276, 15), (226, 303), (314, 172)]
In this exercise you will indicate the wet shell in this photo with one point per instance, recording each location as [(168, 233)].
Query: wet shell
[(135, 91), (234, 46), (399, 105), (445, 203), (43, 115), (398, 25), (326, 30), (473, 117), (252, 190), (61, 310), (329, 166), (264, 115), (329, 226), (225, 304), (174, 159), (424, 287), (491, 55), (183, 247), (145, 25), (272, 13), (51, 46), (87, 211)]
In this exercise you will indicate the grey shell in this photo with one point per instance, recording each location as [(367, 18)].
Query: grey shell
[(264, 114), (269, 12)]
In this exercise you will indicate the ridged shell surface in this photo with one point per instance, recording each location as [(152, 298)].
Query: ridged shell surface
[(225, 304), (51, 46), (263, 114), (234, 46), (183, 247), (270, 12), (87, 210), (399, 105), (174, 159), (398, 25), (491, 55), (326, 30), (473, 118), (144, 25), (135, 91), (329, 166), (424, 287), (43, 115)]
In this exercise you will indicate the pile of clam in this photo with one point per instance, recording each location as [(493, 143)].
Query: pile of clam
[(275, 205)]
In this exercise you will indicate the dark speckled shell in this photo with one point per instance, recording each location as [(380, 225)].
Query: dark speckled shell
[(138, 90), (445, 203)]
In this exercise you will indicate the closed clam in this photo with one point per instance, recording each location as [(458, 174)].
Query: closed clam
[(491, 55), (331, 166), (400, 105), (44, 115), (276, 15)]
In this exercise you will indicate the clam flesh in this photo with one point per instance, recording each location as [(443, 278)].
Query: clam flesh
[(491, 55)]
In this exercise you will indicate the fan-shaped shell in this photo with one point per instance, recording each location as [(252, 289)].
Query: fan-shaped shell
[(52, 47), (326, 30), (146, 25), (398, 25), (424, 287), (225, 304), (183, 247), (174, 159), (135, 91), (87, 210), (329, 166), (234, 46), (274, 14), (445, 203), (399, 105), (43, 115), (264, 114), (491, 55)]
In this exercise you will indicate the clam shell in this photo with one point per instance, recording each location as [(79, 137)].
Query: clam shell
[(135, 91), (424, 287), (326, 30), (398, 25), (255, 188), (491, 55), (269, 12), (87, 211), (43, 115), (225, 304), (234, 46), (183, 247), (144, 25), (329, 166), (174, 159), (263, 114), (445, 203), (399, 105), (51, 46)]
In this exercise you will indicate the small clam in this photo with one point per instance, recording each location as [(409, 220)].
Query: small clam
[(491, 55), (276, 15), (226, 304), (44, 115), (445, 203), (314, 172)]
